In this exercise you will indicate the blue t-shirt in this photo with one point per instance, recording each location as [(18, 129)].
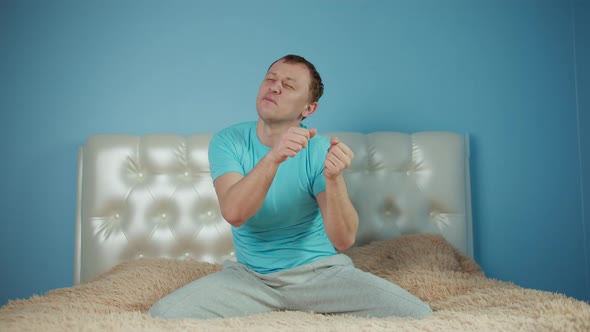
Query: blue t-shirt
[(288, 230)]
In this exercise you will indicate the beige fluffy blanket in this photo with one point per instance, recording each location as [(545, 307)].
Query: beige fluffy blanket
[(426, 265)]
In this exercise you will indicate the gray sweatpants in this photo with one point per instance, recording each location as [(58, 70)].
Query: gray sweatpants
[(331, 286)]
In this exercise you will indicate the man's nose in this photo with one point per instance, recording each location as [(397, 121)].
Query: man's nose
[(275, 87)]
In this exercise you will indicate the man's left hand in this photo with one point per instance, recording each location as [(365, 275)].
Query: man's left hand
[(338, 159)]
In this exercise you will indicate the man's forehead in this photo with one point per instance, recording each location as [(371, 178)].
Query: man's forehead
[(291, 71), (272, 73)]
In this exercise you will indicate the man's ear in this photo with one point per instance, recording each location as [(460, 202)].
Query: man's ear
[(310, 109)]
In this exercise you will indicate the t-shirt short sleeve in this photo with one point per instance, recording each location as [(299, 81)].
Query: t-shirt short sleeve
[(223, 155)]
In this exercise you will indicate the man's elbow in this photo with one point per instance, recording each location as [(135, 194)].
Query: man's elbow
[(233, 217), (344, 244)]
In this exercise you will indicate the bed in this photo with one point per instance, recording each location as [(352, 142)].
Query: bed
[(148, 222)]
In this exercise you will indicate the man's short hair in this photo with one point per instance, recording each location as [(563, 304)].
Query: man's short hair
[(316, 87)]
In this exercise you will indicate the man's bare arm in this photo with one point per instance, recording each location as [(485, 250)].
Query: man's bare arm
[(240, 197), (340, 217)]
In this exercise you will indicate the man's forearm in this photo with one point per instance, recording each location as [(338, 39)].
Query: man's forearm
[(246, 196), (341, 219)]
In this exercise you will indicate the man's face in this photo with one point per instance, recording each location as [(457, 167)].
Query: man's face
[(284, 92)]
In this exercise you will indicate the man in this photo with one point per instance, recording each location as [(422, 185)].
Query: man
[(281, 187)]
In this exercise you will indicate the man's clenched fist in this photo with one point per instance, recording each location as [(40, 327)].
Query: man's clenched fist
[(338, 159), (292, 141)]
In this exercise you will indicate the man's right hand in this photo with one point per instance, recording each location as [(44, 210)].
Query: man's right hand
[(292, 141)]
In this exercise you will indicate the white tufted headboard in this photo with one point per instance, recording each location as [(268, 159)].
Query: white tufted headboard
[(152, 195)]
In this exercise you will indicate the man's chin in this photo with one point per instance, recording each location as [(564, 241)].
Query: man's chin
[(266, 109), (265, 103)]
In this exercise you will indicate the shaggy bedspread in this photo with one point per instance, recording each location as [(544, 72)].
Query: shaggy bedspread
[(462, 298)]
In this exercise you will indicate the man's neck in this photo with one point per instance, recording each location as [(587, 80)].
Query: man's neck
[(269, 133)]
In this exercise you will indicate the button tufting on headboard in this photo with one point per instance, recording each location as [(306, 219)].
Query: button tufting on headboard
[(152, 195)]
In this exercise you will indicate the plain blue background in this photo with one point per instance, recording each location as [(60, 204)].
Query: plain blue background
[(513, 74)]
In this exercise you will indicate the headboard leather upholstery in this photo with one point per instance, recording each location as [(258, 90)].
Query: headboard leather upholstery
[(152, 195)]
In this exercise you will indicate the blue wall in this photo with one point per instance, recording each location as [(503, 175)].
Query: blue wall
[(582, 45), (504, 71)]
